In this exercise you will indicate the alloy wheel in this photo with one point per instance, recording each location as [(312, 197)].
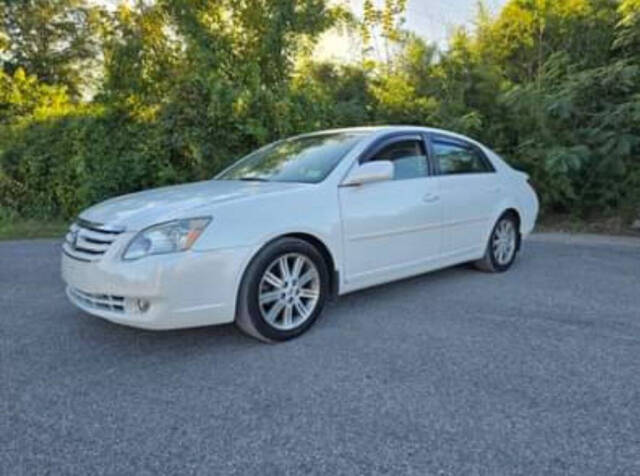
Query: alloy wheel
[(504, 242), (289, 291)]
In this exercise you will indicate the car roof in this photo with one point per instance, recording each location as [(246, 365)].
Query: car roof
[(375, 132)]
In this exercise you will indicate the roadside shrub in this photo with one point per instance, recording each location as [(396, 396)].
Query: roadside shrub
[(185, 87), (57, 167)]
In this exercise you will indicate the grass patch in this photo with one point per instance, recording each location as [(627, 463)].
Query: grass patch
[(605, 225), (29, 229)]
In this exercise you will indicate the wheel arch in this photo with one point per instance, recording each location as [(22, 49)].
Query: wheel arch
[(313, 240), (516, 215)]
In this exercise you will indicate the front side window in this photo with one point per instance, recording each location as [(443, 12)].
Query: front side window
[(408, 157), (308, 159), (457, 159)]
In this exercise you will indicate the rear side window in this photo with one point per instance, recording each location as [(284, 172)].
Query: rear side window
[(453, 159), (408, 156)]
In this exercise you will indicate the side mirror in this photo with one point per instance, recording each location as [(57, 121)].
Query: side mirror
[(376, 171)]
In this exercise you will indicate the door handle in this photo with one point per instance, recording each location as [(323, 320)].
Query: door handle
[(430, 198), (495, 189)]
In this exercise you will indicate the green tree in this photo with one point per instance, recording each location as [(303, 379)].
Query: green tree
[(628, 33), (142, 58), (382, 24), (54, 40), (185, 86), (23, 97)]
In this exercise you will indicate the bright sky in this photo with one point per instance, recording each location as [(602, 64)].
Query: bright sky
[(431, 19)]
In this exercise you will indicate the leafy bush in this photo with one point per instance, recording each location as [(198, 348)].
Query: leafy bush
[(185, 87)]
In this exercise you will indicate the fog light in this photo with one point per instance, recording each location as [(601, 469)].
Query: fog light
[(142, 305)]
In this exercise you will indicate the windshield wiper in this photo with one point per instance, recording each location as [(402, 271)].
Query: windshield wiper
[(252, 179)]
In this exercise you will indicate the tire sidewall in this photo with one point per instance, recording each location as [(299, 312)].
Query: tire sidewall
[(248, 297)]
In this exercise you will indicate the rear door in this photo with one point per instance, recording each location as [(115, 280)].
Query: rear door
[(469, 191), (392, 228)]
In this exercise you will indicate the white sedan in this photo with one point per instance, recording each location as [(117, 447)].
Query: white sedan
[(276, 234)]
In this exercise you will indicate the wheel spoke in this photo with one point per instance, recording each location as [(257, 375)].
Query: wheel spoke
[(270, 296), (305, 278), (284, 268), (303, 311), (273, 280), (287, 319), (309, 293), (297, 267), (275, 311)]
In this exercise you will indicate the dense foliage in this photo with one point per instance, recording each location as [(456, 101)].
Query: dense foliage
[(95, 103)]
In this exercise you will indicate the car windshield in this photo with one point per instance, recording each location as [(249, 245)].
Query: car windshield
[(307, 159)]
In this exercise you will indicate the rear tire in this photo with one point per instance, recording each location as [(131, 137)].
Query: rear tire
[(283, 291), (502, 247)]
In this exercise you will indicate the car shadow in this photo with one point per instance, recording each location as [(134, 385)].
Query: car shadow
[(181, 343)]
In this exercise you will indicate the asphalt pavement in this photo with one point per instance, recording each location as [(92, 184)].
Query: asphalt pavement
[(535, 371)]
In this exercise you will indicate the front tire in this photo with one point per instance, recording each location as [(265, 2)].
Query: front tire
[(283, 291), (503, 246)]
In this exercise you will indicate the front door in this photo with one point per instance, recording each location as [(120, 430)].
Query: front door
[(392, 229)]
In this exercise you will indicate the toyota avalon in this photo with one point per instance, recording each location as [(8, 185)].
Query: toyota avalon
[(271, 238)]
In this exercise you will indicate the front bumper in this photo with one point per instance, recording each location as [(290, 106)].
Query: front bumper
[(187, 289)]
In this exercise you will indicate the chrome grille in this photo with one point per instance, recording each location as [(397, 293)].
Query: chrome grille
[(105, 302), (88, 241)]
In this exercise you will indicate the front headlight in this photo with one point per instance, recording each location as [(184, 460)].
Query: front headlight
[(170, 237)]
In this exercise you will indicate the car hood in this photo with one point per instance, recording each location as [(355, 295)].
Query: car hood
[(140, 210)]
